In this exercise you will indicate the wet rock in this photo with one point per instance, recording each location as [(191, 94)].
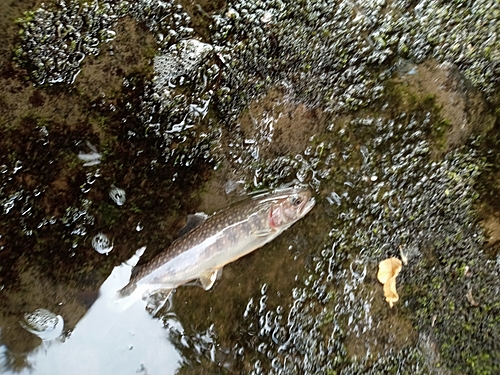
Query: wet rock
[(56, 37), (341, 62), (181, 67), (463, 107), (181, 59)]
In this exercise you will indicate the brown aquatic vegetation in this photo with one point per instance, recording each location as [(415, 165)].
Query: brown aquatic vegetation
[(388, 270)]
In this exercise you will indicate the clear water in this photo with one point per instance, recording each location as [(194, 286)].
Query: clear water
[(119, 119)]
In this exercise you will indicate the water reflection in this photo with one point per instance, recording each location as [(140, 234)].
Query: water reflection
[(107, 341)]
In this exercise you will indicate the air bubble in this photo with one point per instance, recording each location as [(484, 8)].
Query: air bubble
[(43, 324), (117, 195), (102, 244)]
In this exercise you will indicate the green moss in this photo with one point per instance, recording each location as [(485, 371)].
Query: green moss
[(25, 19)]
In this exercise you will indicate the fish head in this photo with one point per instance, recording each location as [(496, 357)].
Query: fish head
[(290, 207)]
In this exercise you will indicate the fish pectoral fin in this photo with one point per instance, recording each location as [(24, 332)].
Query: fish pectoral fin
[(263, 232), (193, 221), (219, 273), (208, 278)]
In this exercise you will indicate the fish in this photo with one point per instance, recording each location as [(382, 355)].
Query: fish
[(218, 240)]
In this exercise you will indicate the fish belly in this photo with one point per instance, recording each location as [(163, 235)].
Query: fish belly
[(211, 254)]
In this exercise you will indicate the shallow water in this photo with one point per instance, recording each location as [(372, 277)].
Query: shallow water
[(107, 340), (119, 119)]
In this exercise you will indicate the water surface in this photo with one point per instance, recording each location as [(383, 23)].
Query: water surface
[(119, 119)]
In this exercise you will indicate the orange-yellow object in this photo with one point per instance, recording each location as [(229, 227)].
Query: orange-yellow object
[(388, 270)]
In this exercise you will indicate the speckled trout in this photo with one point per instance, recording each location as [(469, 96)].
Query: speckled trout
[(220, 239)]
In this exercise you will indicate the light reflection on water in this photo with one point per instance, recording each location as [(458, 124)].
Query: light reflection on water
[(107, 341)]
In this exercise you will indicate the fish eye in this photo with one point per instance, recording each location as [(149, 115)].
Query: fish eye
[(296, 201)]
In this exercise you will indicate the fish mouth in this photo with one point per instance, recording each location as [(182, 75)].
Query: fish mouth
[(308, 206), (306, 195)]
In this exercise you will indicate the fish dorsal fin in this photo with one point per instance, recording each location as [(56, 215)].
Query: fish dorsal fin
[(135, 271), (208, 278), (193, 221), (132, 262)]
